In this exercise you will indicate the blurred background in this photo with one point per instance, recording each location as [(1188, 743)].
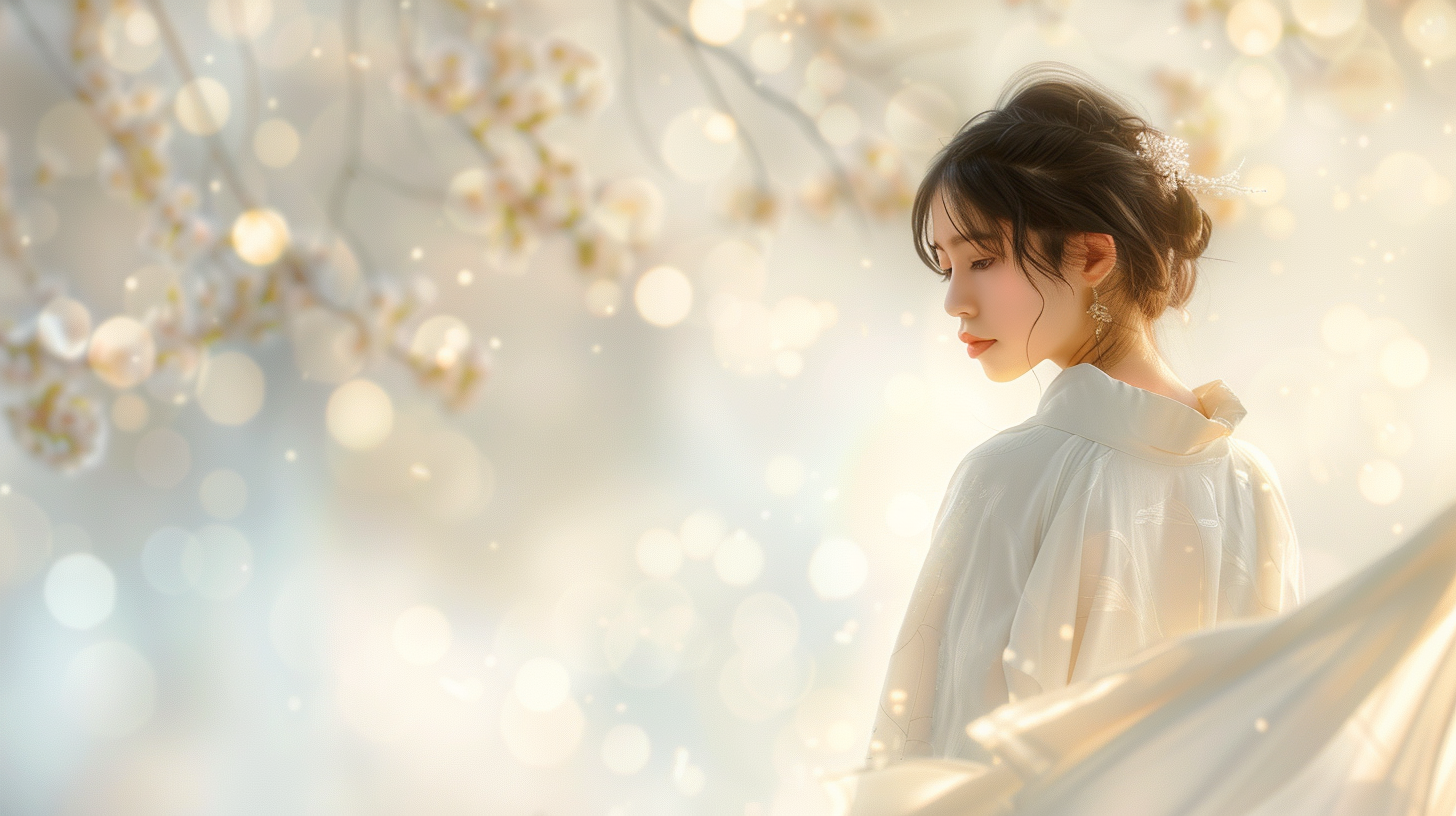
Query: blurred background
[(497, 406)]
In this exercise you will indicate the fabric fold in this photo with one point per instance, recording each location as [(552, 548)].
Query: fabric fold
[(1340, 707)]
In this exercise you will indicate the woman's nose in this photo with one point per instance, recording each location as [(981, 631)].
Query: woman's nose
[(956, 304)]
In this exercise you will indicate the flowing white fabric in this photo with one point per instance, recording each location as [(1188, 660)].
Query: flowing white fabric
[(1340, 707), (1112, 520)]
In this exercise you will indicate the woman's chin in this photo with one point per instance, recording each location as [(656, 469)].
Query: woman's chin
[(1001, 374)]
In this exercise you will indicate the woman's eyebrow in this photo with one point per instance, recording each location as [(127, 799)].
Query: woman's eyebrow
[(953, 240)]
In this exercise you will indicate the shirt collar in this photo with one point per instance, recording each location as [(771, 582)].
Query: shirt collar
[(1086, 401)]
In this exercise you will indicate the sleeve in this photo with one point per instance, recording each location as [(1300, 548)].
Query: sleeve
[(1280, 581), (966, 535)]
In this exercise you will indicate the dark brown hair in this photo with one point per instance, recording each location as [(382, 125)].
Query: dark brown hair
[(1058, 156)]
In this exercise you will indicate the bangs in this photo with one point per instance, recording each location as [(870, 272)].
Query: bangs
[(969, 215), (969, 218)]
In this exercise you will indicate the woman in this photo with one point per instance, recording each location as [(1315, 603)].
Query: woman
[(1110, 619), (1123, 513)]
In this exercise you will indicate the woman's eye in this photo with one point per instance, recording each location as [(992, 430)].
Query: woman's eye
[(984, 263)]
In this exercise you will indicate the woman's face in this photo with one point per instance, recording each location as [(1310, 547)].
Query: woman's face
[(994, 301)]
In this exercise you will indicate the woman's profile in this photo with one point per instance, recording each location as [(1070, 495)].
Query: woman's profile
[(1111, 615)]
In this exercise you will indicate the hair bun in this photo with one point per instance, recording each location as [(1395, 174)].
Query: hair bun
[(1190, 230), (1192, 227)]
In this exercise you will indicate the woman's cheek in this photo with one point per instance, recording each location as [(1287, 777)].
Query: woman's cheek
[(1009, 295)]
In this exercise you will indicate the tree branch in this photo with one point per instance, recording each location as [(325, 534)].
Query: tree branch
[(215, 146), (252, 77), (771, 96), (629, 90)]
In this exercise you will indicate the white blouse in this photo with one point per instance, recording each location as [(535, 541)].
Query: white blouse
[(1112, 520)]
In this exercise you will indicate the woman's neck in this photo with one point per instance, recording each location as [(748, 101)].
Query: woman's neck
[(1146, 369)]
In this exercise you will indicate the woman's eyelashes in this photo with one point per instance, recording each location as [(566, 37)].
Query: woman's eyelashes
[(984, 263)]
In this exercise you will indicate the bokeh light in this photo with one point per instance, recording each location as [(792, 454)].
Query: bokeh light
[(735, 267), (152, 291), (542, 684), (838, 123), (771, 52), (825, 75), (472, 202), (1406, 188), (698, 144), (440, 340), (260, 236), (541, 739), (163, 557), (360, 414), (663, 295), (837, 568), (1367, 83), (1380, 481), (232, 19), (64, 326), (130, 41), (701, 533), (797, 322), (203, 106), (221, 563), (1404, 362), (1254, 26), (738, 559), (718, 22), (645, 643), (276, 143), (230, 388), (1327, 18), (1266, 177), (626, 749), (630, 210), (1430, 27), (80, 591), (122, 352), (828, 719)]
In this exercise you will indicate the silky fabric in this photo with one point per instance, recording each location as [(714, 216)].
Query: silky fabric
[(1112, 520), (1342, 706)]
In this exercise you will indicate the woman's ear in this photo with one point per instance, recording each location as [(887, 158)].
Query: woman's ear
[(1096, 254)]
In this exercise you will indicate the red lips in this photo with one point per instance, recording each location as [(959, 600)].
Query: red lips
[(968, 338)]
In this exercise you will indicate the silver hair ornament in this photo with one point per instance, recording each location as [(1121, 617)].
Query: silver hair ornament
[(1169, 156)]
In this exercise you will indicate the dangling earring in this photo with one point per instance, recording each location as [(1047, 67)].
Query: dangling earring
[(1099, 313)]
